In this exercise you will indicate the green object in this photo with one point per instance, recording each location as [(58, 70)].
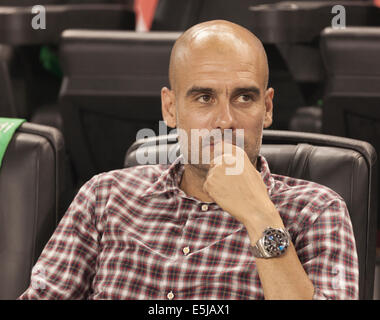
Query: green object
[(8, 126), (50, 61)]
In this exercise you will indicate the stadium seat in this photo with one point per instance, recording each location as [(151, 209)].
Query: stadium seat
[(32, 201), (195, 11), (7, 103), (28, 59), (111, 89), (294, 28), (345, 165), (352, 94), (23, 3)]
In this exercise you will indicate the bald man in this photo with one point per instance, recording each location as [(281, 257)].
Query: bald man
[(189, 230)]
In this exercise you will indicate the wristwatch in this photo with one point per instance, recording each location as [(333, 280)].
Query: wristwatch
[(273, 243)]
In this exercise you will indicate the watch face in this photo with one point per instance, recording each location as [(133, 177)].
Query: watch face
[(275, 241)]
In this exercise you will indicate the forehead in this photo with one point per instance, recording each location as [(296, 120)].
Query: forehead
[(215, 66)]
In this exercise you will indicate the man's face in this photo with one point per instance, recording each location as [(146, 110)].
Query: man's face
[(219, 88)]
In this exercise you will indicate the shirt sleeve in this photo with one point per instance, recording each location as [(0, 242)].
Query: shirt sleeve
[(327, 251), (66, 266)]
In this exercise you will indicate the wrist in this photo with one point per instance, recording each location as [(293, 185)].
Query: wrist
[(256, 226)]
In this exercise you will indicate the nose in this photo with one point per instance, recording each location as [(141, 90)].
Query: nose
[(224, 118)]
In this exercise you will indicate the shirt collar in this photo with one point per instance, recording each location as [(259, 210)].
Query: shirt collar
[(170, 179)]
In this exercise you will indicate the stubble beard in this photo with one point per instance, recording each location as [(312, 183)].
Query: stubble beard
[(202, 168)]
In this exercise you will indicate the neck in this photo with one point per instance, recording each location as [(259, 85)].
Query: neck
[(192, 183)]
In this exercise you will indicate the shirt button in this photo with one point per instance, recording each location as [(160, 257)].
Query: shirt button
[(170, 295), (204, 207), (186, 251)]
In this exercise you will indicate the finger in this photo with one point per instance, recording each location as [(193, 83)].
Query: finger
[(206, 186), (218, 160), (221, 148)]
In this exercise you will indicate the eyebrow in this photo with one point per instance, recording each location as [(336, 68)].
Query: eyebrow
[(252, 89), (197, 90)]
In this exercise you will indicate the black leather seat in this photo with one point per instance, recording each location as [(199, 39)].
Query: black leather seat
[(30, 78), (195, 11), (352, 94), (32, 202), (111, 89), (22, 3), (345, 165), (7, 103)]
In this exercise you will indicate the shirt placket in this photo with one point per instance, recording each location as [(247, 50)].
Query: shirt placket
[(186, 247)]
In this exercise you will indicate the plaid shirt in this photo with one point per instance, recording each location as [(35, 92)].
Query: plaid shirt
[(134, 234)]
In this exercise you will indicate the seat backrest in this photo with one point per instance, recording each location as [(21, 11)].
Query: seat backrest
[(111, 89), (195, 11), (7, 104), (26, 3), (347, 166), (352, 96), (19, 3), (31, 185), (187, 13), (351, 105), (28, 62)]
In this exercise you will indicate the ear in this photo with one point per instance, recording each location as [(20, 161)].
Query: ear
[(168, 107), (268, 100)]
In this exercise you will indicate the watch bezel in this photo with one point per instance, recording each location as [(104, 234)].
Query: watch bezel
[(263, 250), (275, 241)]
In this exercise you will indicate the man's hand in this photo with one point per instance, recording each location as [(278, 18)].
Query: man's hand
[(243, 195)]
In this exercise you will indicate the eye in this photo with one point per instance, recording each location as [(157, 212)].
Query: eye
[(205, 98), (244, 98)]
